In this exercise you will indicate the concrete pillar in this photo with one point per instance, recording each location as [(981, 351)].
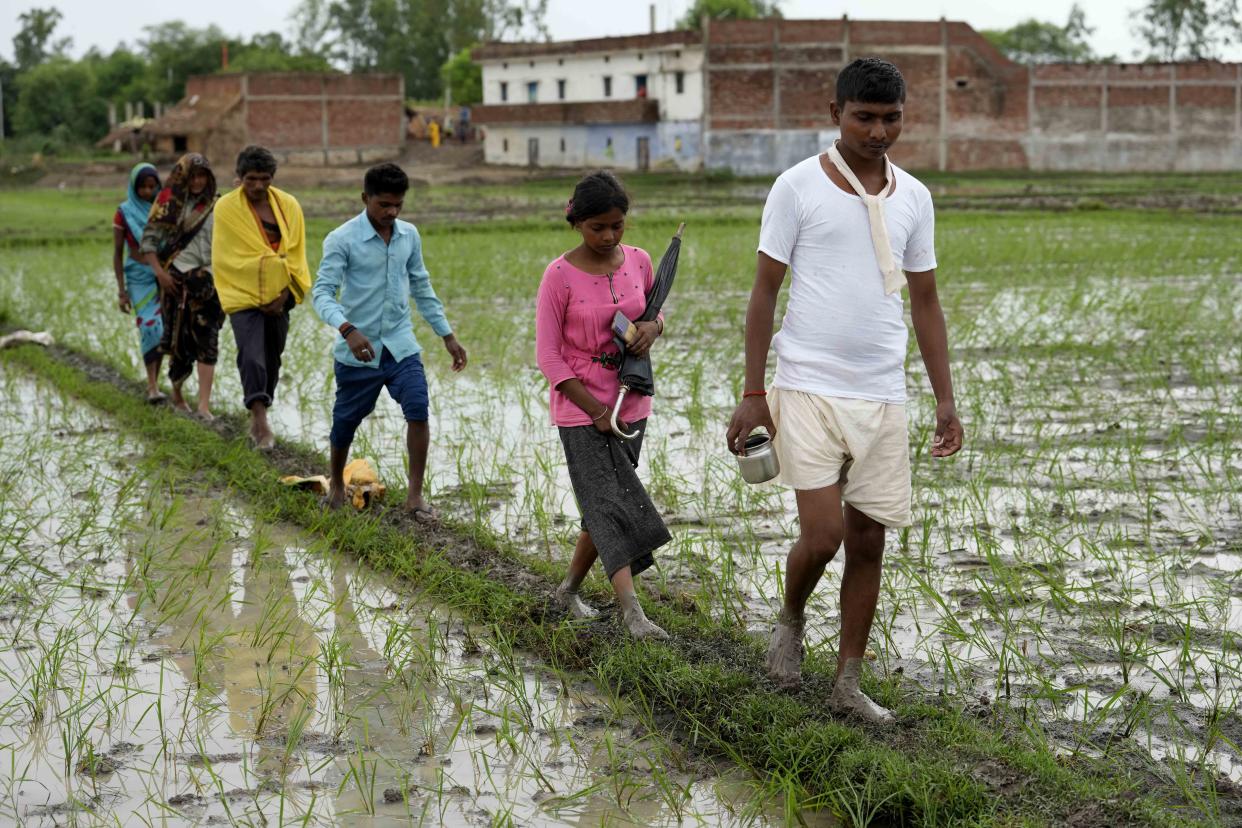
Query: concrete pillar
[(129, 110), (1104, 156), (776, 74), (1237, 104), (1173, 111), (111, 114), (943, 150), (323, 115), (706, 117)]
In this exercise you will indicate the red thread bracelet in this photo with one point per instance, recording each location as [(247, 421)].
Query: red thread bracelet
[(759, 393)]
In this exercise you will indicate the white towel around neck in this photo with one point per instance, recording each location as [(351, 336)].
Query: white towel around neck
[(894, 276)]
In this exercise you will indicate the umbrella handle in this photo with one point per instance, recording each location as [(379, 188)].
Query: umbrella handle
[(616, 428)]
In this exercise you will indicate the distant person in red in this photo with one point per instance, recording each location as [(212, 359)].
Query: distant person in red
[(137, 290), (853, 230)]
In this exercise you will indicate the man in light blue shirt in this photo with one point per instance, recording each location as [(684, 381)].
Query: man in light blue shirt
[(372, 265)]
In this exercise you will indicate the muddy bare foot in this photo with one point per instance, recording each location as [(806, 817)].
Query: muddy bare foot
[(205, 416), (642, 628), (178, 402), (785, 653), (421, 511), (262, 438), (335, 498), (155, 396), (848, 699), (574, 604)]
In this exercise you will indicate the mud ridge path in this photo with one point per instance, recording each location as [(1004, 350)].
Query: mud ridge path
[(949, 761)]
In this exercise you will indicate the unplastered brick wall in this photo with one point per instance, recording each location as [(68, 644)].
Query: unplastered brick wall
[(968, 106), (781, 75), (1191, 99), (325, 112)]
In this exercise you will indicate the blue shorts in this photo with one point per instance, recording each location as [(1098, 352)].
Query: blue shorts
[(358, 388)]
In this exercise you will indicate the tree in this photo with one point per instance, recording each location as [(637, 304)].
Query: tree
[(1035, 41), (463, 78), (414, 38), (121, 76), (270, 53), (174, 51), (728, 10), (58, 98), (1188, 29), (8, 86), (33, 42)]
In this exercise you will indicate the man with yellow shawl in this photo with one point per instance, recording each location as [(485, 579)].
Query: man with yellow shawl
[(259, 254)]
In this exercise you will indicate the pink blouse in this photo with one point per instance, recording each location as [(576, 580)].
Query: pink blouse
[(573, 331)]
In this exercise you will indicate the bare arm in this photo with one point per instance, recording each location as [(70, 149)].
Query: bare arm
[(933, 339), (599, 412), (753, 412), (162, 276), (118, 268)]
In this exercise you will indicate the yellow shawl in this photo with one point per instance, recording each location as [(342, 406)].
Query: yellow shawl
[(247, 272)]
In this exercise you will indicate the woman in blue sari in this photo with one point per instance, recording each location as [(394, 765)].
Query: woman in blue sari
[(137, 290)]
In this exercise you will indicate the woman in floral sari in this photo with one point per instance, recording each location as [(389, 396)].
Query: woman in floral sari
[(137, 290), (176, 243)]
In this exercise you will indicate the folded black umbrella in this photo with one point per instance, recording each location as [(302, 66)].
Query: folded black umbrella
[(635, 372)]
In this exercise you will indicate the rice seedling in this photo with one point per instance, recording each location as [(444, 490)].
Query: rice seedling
[(1075, 566)]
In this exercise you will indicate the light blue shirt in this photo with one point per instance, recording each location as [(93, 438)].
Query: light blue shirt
[(375, 282)]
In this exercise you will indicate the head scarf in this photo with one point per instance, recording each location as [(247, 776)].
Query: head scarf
[(134, 208), (177, 215)]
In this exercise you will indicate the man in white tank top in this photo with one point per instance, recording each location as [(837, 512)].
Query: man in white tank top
[(853, 230)]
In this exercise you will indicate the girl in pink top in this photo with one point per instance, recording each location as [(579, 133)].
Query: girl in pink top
[(578, 296)]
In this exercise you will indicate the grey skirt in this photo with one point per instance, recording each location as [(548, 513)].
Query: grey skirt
[(616, 510)]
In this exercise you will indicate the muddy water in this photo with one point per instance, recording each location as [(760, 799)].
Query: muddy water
[(165, 657)]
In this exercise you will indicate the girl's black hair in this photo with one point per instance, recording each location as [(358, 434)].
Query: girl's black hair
[(596, 194), (871, 80), (149, 172)]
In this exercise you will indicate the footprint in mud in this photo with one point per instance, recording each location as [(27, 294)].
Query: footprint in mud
[(202, 760)]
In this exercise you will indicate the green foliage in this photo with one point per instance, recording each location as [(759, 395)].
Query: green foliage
[(175, 50), (64, 102), (1037, 41), (121, 76), (463, 78), (59, 99), (33, 42), (413, 38), (8, 79), (270, 53), (728, 10), (1188, 29)]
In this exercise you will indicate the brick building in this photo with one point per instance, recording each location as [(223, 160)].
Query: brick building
[(304, 118), (764, 86)]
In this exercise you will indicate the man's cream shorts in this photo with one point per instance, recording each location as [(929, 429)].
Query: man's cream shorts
[(860, 443)]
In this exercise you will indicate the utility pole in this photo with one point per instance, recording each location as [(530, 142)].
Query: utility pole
[(1, 110)]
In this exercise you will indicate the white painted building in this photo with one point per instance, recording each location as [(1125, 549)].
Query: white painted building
[(625, 102)]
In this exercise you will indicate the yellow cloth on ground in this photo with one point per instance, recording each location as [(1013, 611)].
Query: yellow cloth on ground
[(247, 272), (362, 484)]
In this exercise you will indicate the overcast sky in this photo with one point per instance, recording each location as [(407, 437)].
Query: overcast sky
[(104, 25)]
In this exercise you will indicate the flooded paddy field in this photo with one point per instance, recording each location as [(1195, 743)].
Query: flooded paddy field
[(167, 657), (1075, 566)]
